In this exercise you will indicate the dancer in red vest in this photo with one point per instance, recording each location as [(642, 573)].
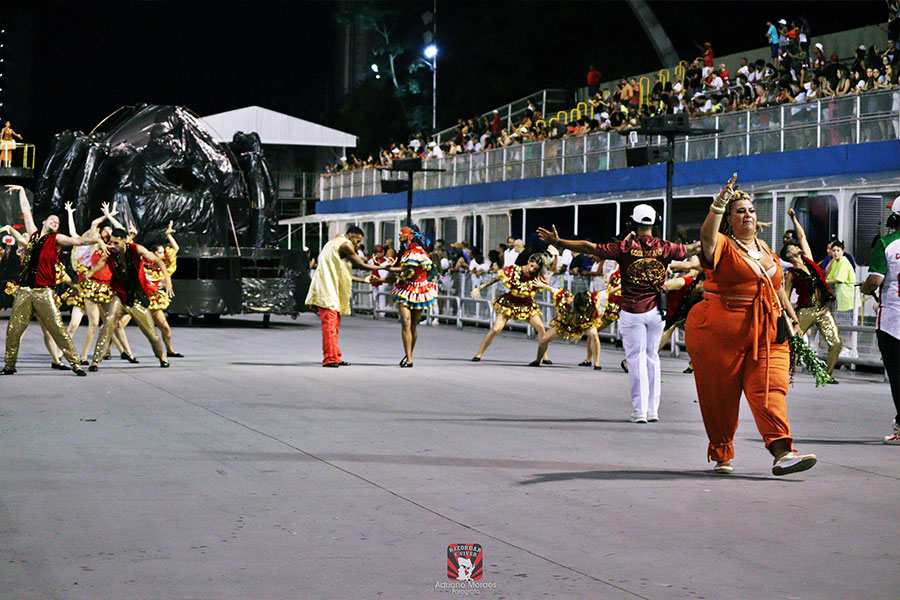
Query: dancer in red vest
[(132, 293), (34, 295)]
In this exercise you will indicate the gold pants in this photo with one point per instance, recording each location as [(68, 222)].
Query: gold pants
[(823, 319), (41, 303), (114, 312)]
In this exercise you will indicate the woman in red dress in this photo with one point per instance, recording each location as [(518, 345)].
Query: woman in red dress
[(413, 292)]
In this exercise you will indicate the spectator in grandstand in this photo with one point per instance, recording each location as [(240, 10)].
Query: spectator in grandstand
[(782, 36), (516, 247), (859, 60), (625, 92), (494, 261), (636, 95), (772, 39), (817, 60), (434, 151), (593, 81), (843, 84), (805, 35), (893, 27), (707, 53), (713, 82), (793, 35)]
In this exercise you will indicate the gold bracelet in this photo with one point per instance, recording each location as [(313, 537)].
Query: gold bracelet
[(715, 209), (720, 201)]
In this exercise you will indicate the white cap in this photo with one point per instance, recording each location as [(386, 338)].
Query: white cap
[(604, 115), (819, 46), (643, 214), (782, 22), (895, 205), (677, 87), (862, 47), (396, 151)]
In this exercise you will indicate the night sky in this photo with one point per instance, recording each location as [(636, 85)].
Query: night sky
[(69, 64)]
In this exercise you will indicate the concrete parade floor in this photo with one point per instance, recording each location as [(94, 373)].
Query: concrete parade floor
[(247, 471)]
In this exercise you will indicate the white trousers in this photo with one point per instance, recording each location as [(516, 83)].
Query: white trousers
[(640, 336)]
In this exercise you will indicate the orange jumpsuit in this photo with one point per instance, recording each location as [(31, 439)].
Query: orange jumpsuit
[(730, 336)]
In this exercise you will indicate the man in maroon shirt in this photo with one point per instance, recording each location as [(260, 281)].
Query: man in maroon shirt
[(34, 294), (642, 260)]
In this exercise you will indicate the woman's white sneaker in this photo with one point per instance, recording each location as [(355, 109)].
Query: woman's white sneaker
[(893, 439), (724, 467), (793, 462), (638, 418)]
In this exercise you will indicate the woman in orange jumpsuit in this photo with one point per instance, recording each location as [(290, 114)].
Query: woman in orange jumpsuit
[(731, 335)]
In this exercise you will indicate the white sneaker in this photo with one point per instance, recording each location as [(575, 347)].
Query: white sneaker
[(793, 462), (638, 418), (893, 439), (651, 418), (724, 467)]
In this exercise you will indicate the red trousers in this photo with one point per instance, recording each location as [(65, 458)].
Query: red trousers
[(331, 326)]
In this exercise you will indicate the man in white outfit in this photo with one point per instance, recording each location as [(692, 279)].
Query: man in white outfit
[(643, 260)]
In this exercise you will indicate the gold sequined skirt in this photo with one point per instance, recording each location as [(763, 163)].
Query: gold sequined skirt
[(99, 293), (518, 309), (73, 298), (160, 300), (572, 331)]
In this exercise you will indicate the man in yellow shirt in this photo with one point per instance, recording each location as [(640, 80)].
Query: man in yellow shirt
[(329, 291)]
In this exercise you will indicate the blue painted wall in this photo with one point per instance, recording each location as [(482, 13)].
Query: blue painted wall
[(871, 157)]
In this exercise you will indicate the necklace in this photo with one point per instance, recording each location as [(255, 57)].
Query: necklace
[(754, 254)]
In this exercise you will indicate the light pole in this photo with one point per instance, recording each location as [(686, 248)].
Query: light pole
[(431, 54)]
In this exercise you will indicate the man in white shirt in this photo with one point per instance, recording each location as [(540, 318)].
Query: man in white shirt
[(715, 83), (884, 271), (510, 254), (434, 151)]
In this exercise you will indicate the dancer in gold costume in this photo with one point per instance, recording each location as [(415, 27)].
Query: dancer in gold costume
[(813, 293), (95, 291), (577, 315), (35, 296), (159, 300), (129, 282), (518, 303)]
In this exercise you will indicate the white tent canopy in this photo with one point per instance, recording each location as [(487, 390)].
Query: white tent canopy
[(275, 128)]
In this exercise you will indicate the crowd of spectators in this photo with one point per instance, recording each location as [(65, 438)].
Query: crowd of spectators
[(799, 70)]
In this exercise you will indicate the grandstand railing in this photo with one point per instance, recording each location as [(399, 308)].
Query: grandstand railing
[(546, 100), (8, 157), (868, 117), (456, 307)]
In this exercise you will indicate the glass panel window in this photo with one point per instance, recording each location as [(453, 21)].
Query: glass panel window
[(818, 214)]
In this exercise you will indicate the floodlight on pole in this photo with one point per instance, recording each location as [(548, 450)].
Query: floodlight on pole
[(431, 51), (374, 67)]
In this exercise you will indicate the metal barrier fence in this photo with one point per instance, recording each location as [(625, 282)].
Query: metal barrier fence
[(868, 117), (456, 307)]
